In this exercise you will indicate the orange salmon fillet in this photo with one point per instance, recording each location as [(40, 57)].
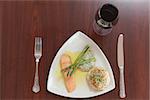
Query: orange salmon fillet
[(65, 61)]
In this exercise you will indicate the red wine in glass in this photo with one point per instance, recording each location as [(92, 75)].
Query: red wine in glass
[(106, 17)]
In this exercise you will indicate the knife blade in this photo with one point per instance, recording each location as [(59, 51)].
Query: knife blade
[(120, 51), (120, 59)]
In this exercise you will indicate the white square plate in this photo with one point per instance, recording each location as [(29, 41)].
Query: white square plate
[(76, 43)]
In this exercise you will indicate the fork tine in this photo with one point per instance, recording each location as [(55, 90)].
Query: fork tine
[(38, 44)]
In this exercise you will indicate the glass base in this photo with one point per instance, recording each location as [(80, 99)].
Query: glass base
[(101, 30)]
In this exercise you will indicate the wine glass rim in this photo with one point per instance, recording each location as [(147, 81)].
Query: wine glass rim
[(114, 8)]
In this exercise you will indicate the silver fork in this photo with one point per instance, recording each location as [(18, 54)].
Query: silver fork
[(37, 55)]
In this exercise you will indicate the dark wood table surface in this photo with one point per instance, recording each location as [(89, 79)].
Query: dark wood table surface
[(55, 22)]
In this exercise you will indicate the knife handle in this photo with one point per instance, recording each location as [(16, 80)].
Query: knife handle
[(122, 84)]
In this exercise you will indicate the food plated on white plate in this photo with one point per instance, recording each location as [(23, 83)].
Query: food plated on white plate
[(97, 78), (80, 69)]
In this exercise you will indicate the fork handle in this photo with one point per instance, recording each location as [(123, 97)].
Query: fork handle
[(122, 84), (36, 86)]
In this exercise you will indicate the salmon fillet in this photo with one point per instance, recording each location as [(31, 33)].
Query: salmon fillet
[(65, 62)]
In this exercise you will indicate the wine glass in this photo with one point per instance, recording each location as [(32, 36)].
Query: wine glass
[(105, 18)]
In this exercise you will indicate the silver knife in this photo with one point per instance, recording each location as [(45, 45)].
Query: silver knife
[(120, 56)]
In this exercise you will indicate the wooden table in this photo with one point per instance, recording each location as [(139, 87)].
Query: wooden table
[(56, 21)]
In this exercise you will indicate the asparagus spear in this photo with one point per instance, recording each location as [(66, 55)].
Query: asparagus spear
[(82, 63)]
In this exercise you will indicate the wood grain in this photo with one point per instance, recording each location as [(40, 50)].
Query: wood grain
[(55, 22)]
